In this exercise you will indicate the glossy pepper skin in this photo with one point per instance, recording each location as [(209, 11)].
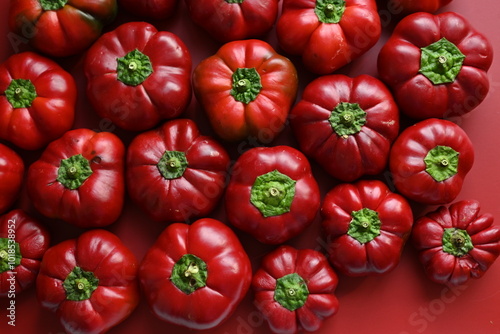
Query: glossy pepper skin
[(79, 178), (346, 124), (175, 173), (436, 65), (272, 194), (195, 275), (60, 28), (295, 290), (246, 89), (430, 160), (37, 100), (456, 243), (328, 34), (11, 177), (90, 282), (406, 7), (138, 76), (366, 227), (23, 242), (231, 20), (150, 9)]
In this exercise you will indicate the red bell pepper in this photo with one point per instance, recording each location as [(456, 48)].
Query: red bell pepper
[(11, 177), (175, 173), (346, 124), (406, 7), (60, 28), (366, 227), (149, 9), (295, 290), (436, 65), (456, 243), (138, 76), (247, 90), (328, 34), (23, 242), (195, 275), (37, 100), (79, 178), (231, 20), (89, 282), (272, 194), (430, 160)]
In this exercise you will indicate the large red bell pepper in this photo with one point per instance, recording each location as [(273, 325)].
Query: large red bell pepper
[(231, 20), (247, 90), (346, 124), (196, 275), (37, 100), (138, 76), (430, 160), (328, 34), (79, 178), (436, 65), (175, 173), (60, 28), (11, 177), (366, 227), (23, 242), (89, 282), (272, 194), (456, 243), (295, 290)]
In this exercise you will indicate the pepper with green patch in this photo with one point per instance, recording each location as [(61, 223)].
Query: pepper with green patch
[(175, 173), (456, 243), (436, 65), (89, 282), (23, 242), (37, 100), (138, 76), (272, 193), (59, 28), (328, 34), (430, 160), (346, 124), (295, 290), (195, 275), (366, 227), (79, 178), (247, 90)]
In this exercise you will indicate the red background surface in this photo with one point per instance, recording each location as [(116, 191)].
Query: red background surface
[(401, 302)]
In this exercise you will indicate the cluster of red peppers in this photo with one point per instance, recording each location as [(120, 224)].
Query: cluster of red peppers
[(433, 66)]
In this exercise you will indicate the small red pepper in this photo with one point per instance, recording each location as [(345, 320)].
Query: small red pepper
[(90, 282), (138, 76), (430, 160), (196, 275), (366, 227), (346, 124), (246, 89), (79, 178), (436, 65), (295, 290), (456, 243), (272, 193), (37, 100), (23, 242), (174, 173)]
